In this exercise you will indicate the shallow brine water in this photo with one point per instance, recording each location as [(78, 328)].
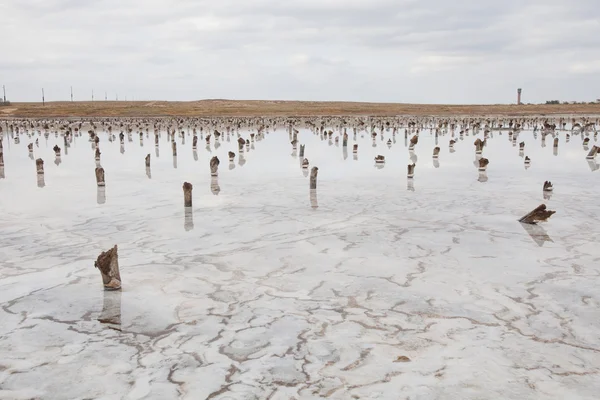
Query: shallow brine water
[(377, 287)]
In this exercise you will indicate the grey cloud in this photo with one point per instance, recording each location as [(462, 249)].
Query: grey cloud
[(377, 50)]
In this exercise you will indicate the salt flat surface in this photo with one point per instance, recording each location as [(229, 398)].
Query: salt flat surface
[(266, 296)]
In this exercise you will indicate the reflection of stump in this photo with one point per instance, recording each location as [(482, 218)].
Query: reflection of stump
[(111, 310), (314, 203), (187, 194), (100, 176), (305, 163), (188, 222), (482, 176), (302, 146), (436, 152), (101, 195), (214, 166), (231, 156), (355, 149), (313, 177), (40, 180), (148, 173), (147, 159), (214, 186), (548, 186), (483, 163), (108, 264), (39, 166), (538, 215), (2, 176), (411, 170)]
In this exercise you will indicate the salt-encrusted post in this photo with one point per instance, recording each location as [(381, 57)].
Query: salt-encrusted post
[(108, 264)]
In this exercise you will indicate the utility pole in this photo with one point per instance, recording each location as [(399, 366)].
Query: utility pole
[(117, 96), (43, 99), (71, 93), (92, 94), (4, 90), (105, 96)]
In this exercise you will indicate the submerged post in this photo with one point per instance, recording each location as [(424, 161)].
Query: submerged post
[(39, 165), (539, 214), (100, 176), (108, 264), (313, 177), (187, 194), (214, 166)]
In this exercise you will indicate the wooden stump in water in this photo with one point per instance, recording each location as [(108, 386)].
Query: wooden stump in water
[(30, 147), (56, 151), (187, 194), (108, 264), (97, 155), (355, 149), (241, 143), (195, 142), (1, 158), (411, 170), (345, 140), (593, 152), (555, 142), (302, 150), (313, 177), (305, 163), (436, 152), (147, 159), (214, 166), (522, 146), (548, 187), (174, 146), (540, 213), (100, 176), (39, 166), (380, 159), (231, 156), (483, 163), (414, 140)]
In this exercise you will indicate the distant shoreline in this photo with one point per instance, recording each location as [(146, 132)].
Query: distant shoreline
[(264, 108)]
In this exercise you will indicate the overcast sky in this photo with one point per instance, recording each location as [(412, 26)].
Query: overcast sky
[(414, 51)]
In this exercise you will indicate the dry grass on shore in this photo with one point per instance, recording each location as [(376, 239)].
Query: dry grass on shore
[(274, 108)]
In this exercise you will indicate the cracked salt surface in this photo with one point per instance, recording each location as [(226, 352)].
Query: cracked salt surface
[(255, 293)]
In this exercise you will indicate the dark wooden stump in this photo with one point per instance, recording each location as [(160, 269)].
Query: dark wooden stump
[(147, 160), (100, 176), (313, 177), (39, 166), (187, 194), (539, 214), (108, 264), (214, 166)]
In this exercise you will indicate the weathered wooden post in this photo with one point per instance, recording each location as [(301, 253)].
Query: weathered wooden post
[(156, 139), (380, 159), (56, 150), (100, 176), (187, 194), (241, 143), (231, 155), (39, 165), (355, 149), (30, 147), (411, 171), (313, 177), (195, 142), (344, 141), (548, 187), (147, 160), (527, 162), (305, 163), (413, 142), (174, 147), (483, 163), (302, 146), (122, 138), (214, 166), (478, 146), (593, 152), (539, 214), (108, 264), (436, 152)]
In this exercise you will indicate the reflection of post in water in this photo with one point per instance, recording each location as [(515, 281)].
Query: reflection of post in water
[(537, 233), (345, 152), (174, 161), (2, 176), (111, 310), (101, 194), (593, 165), (314, 203), (157, 151), (214, 185), (410, 185), (482, 176), (241, 159), (188, 222)]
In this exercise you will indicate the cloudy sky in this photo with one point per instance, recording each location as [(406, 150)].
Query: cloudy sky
[(416, 51)]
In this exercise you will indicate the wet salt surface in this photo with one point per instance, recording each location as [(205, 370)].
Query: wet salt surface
[(268, 297)]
